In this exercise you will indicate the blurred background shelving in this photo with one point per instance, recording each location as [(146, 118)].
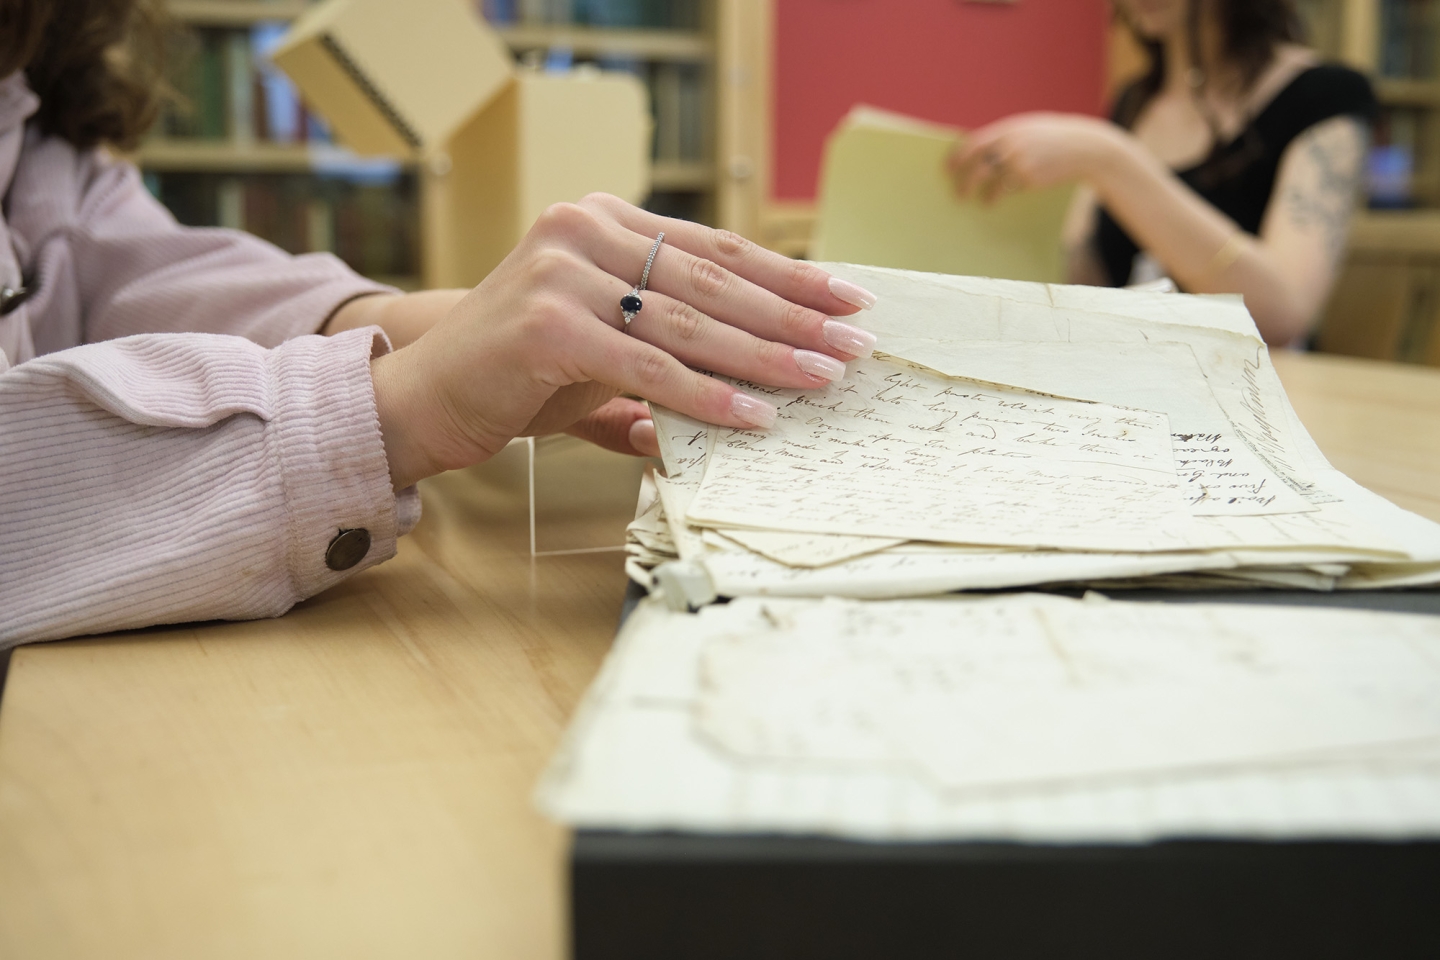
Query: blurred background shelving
[(668, 44), (1396, 43), (239, 149), (1386, 303), (245, 153)]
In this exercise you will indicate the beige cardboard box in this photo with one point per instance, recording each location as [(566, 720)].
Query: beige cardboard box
[(428, 80), (395, 77), (548, 138)]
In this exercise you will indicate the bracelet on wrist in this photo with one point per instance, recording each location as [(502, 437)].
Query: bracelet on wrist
[(1225, 257)]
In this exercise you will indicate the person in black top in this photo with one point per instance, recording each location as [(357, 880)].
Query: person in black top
[(1232, 166)]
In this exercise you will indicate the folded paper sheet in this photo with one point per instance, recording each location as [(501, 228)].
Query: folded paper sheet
[(886, 198), (1021, 717)]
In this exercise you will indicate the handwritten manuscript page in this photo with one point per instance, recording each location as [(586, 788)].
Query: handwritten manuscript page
[(895, 450)]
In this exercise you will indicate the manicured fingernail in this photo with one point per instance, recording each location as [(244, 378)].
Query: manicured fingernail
[(852, 340), (852, 293), (819, 365), (642, 437), (753, 411)]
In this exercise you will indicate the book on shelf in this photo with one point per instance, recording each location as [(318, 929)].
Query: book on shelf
[(230, 204), (197, 76), (1395, 156), (240, 88), (665, 103), (279, 115), (228, 90), (230, 93), (694, 113), (371, 223), (677, 96), (634, 14), (1408, 34)]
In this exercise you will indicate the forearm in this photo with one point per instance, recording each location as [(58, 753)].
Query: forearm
[(404, 318), (215, 473), (1200, 247), (1082, 260)]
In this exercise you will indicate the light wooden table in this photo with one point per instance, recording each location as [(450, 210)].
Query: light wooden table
[(1377, 422), (354, 779)]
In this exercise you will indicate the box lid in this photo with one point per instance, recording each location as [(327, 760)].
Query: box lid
[(395, 78)]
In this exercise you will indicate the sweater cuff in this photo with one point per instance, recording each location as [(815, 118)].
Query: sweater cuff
[(407, 509), (343, 514)]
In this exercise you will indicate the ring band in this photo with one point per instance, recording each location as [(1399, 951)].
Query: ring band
[(631, 304)]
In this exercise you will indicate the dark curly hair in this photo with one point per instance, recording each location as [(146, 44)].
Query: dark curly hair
[(95, 64)]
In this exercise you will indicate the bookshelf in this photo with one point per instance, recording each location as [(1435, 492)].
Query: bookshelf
[(243, 155), (1397, 43), (656, 45), (233, 13), (241, 150), (1386, 303), (184, 154)]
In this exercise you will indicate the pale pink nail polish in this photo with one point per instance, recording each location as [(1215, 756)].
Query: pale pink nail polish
[(852, 340), (852, 293), (753, 411), (819, 365), (642, 437)]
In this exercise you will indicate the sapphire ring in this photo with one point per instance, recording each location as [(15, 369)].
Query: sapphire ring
[(631, 303)]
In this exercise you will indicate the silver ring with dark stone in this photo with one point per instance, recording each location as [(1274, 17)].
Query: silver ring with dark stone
[(631, 304)]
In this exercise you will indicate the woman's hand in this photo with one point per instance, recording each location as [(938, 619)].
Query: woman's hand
[(622, 425), (1034, 150), (540, 343)]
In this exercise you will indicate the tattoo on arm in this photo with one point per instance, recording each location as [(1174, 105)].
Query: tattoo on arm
[(1326, 182)]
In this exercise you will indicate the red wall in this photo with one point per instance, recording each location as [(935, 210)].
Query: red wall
[(953, 61)]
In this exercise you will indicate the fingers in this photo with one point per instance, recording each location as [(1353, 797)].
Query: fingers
[(961, 164), (701, 341), (960, 167), (696, 311), (981, 165), (793, 280), (643, 438), (640, 368), (621, 425), (999, 181), (726, 296)]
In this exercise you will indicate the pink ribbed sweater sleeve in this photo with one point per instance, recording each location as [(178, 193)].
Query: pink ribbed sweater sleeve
[(110, 261), (168, 478)]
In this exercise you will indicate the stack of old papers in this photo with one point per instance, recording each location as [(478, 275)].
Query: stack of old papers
[(1027, 717), (1010, 434)]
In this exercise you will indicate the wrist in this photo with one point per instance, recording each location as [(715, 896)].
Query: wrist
[(404, 317), (364, 310), (399, 403), (1117, 159)]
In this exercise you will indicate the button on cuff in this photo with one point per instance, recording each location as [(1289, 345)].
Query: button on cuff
[(347, 549)]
